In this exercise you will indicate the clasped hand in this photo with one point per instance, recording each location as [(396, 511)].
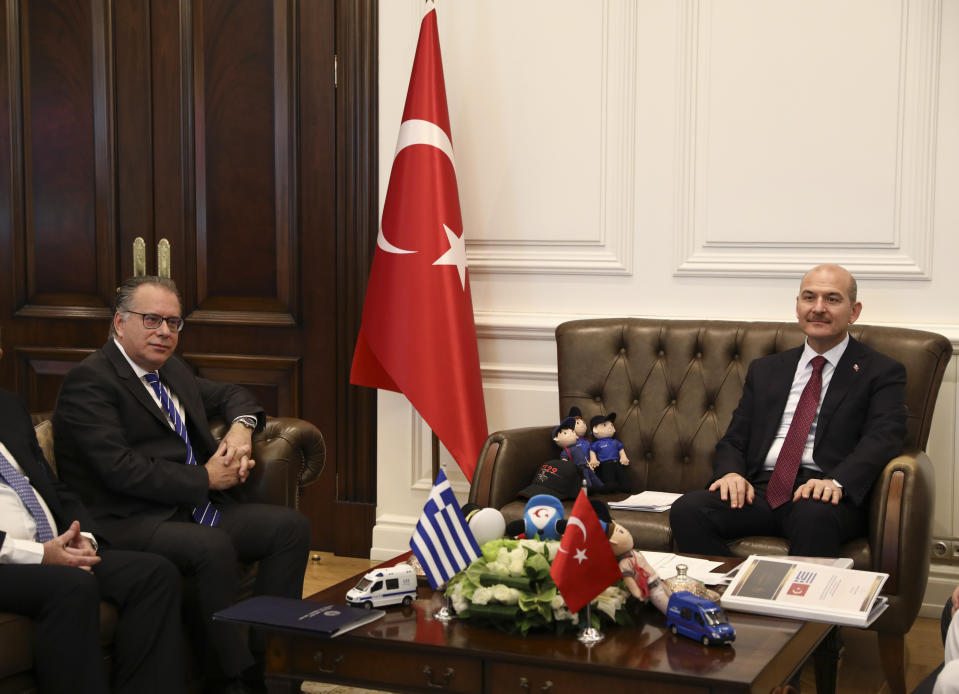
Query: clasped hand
[(231, 464), (70, 549)]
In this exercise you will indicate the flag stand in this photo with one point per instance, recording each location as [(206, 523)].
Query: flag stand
[(590, 635), (445, 613)]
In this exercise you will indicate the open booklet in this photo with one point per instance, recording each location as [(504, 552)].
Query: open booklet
[(301, 616), (790, 587)]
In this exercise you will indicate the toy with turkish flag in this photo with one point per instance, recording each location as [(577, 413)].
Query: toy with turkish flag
[(585, 565)]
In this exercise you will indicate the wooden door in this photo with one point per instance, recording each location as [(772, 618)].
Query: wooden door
[(239, 130)]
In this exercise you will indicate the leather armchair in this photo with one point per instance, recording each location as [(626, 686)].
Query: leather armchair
[(674, 385), (290, 455)]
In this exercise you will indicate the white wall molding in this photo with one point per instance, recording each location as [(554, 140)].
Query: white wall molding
[(498, 325), (902, 250), (607, 250)]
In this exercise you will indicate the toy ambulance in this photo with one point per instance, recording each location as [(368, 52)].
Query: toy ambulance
[(698, 618), (391, 585)]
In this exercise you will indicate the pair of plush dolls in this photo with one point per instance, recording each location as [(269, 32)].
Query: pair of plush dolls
[(601, 462)]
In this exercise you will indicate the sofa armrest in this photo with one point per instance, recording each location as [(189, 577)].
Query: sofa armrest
[(507, 463), (900, 535), (290, 454)]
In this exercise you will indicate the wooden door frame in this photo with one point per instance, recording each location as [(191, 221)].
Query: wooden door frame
[(357, 218)]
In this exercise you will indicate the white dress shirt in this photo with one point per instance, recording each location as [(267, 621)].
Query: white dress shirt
[(141, 374), (248, 419), (20, 545), (800, 379)]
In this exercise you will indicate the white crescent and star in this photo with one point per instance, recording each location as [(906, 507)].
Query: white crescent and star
[(421, 132), (575, 522)]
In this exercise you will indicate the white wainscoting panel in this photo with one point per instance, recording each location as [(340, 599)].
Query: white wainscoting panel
[(773, 122), (555, 192)]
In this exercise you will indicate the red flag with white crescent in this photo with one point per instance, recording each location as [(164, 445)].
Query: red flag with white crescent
[(585, 565), (418, 336)]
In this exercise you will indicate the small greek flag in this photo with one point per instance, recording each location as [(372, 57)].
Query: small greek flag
[(442, 541)]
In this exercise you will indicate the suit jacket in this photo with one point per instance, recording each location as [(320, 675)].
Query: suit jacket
[(115, 446), (861, 425), (18, 436)]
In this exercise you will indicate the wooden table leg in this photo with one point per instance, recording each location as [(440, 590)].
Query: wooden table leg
[(826, 662)]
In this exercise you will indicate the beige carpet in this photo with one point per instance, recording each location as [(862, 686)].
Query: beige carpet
[(317, 688)]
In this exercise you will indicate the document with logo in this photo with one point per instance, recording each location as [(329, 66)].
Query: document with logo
[(301, 616), (789, 587)]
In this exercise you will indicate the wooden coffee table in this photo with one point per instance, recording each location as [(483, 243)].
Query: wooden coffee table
[(410, 651)]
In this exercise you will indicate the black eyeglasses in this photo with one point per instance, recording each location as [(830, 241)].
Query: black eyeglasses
[(152, 321)]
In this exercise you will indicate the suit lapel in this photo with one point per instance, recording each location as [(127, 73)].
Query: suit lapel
[(132, 383), (180, 380), (19, 446), (778, 384), (852, 363)]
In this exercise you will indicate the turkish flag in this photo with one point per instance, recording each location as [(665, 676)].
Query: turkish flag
[(418, 336), (585, 565)]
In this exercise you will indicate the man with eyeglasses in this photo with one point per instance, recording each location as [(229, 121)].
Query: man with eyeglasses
[(131, 436)]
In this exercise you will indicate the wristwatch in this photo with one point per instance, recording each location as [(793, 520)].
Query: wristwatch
[(93, 541), (247, 420)]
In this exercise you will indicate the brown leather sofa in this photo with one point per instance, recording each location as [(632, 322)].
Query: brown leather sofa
[(674, 385), (290, 454)]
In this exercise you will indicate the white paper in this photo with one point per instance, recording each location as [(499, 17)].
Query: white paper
[(646, 501)]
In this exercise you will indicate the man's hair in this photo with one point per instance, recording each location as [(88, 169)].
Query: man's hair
[(124, 299), (853, 289)]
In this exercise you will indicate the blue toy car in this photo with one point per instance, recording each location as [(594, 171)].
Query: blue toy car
[(698, 618)]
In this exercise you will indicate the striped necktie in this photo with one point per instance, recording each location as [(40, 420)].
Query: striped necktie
[(207, 513), (19, 483)]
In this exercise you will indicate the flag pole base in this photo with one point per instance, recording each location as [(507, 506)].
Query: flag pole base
[(590, 635), (445, 613)]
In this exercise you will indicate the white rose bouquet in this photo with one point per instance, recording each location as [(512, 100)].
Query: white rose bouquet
[(509, 587)]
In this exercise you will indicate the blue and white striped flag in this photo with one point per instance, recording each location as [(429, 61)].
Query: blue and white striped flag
[(442, 541)]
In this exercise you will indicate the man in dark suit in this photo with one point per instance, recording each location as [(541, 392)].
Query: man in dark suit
[(59, 582), (132, 438), (833, 408)]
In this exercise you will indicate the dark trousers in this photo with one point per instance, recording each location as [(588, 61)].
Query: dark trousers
[(64, 603), (275, 536), (703, 523)]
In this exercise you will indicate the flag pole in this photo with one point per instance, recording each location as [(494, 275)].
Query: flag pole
[(435, 453), (445, 614), (590, 635)]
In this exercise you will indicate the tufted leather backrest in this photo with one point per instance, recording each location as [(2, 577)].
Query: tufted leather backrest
[(674, 384)]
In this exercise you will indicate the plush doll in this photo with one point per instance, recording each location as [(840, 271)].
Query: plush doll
[(564, 436), (609, 452), (584, 443), (640, 578), (540, 518)]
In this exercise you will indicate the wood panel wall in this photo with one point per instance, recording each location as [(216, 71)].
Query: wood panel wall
[(217, 125)]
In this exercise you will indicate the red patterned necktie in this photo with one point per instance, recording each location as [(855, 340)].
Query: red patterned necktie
[(780, 488)]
